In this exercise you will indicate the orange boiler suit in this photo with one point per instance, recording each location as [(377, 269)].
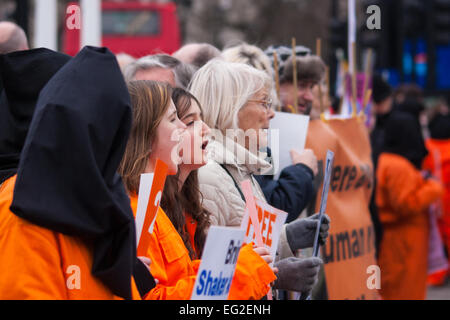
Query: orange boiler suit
[(40, 264), (403, 197), (443, 148)]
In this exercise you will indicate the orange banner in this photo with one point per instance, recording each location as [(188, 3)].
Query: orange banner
[(349, 254)]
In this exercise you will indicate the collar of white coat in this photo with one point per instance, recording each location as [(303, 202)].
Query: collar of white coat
[(224, 150)]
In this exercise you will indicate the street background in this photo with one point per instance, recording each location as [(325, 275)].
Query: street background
[(412, 46)]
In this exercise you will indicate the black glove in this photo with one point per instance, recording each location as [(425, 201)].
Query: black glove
[(301, 232), (297, 274)]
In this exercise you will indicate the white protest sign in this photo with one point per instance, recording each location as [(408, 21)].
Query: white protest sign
[(287, 131), (271, 221), (145, 186), (218, 263)]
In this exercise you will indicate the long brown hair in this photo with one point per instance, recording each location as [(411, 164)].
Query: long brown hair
[(150, 101), (176, 203)]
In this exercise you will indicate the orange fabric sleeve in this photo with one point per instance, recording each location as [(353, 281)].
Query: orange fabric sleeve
[(252, 276), (403, 186), (176, 272), (170, 263), (250, 282), (30, 265)]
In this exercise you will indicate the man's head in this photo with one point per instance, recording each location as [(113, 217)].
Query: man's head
[(310, 71), (161, 67), (197, 54), (148, 68), (12, 38)]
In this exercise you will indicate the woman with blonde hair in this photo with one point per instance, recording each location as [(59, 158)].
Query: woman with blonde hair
[(154, 120), (294, 188), (236, 106), (251, 55)]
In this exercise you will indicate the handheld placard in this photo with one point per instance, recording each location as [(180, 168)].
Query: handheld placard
[(323, 201), (271, 222), (251, 207), (219, 258), (150, 192), (323, 206)]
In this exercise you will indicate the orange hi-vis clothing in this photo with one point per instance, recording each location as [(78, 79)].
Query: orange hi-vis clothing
[(191, 227), (176, 272), (443, 148), (38, 263), (403, 197)]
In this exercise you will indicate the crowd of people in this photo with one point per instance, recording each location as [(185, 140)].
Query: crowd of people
[(76, 133)]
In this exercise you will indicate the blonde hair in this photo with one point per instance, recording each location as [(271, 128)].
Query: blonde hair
[(255, 57), (251, 55), (223, 88)]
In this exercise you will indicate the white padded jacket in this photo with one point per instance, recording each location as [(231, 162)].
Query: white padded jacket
[(229, 160)]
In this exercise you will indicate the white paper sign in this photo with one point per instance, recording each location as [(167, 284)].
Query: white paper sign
[(145, 187), (271, 221), (218, 264), (291, 130)]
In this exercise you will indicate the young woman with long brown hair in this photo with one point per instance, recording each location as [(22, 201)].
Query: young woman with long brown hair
[(182, 198), (154, 122)]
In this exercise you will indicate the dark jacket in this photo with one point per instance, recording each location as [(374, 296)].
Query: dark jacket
[(291, 192)]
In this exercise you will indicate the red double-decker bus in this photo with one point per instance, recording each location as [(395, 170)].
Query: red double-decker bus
[(133, 27)]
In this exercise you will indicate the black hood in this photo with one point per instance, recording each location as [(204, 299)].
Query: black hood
[(439, 127), (23, 74), (412, 106), (403, 137), (67, 179)]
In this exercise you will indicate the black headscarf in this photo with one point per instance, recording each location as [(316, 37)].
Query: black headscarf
[(403, 137), (67, 179), (440, 127), (23, 74), (412, 106), (381, 90)]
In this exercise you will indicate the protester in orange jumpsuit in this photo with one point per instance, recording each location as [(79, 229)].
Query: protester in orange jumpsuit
[(155, 118), (403, 198), (438, 162), (58, 230)]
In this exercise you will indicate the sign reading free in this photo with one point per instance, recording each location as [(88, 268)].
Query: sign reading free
[(218, 264), (271, 222)]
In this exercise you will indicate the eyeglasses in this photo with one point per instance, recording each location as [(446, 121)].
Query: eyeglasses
[(267, 104)]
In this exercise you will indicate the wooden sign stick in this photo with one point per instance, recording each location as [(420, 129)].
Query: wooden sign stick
[(277, 79), (318, 53), (354, 94), (294, 74), (366, 95)]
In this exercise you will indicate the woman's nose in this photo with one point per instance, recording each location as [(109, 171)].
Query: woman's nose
[(181, 125), (270, 113), (205, 129)]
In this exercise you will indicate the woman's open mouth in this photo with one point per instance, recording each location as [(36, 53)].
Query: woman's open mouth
[(205, 144)]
